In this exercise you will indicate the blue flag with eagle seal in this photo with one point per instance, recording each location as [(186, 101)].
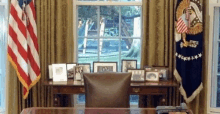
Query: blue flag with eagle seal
[(189, 43)]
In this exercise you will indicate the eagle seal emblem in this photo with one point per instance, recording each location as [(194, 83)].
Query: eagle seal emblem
[(190, 13)]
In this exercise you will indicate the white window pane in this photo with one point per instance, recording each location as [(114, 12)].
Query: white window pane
[(81, 99), (218, 22), (218, 79), (87, 50), (109, 50), (103, 47), (3, 36), (134, 99), (109, 21), (218, 58), (3, 1), (87, 21), (131, 21), (130, 49), (215, 96)]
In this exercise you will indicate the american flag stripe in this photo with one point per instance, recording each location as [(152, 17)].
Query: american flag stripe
[(33, 36), (22, 39), (23, 77), (31, 6), (181, 26), (21, 60), (33, 57), (14, 38), (17, 63), (32, 73), (21, 24), (31, 18), (33, 43), (21, 74), (33, 63), (33, 52), (23, 44)]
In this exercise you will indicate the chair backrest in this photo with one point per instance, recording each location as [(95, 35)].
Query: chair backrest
[(107, 89)]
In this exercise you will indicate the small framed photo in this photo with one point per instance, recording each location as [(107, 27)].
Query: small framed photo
[(86, 67), (71, 69), (104, 66), (137, 74), (59, 72), (78, 73), (152, 76), (128, 64), (163, 72)]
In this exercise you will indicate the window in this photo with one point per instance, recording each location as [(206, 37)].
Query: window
[(214, 59), (3, 37), (108, 30)]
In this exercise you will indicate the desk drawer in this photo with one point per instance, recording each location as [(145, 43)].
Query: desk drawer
[(68, 90), (133, 90), (148, 90)]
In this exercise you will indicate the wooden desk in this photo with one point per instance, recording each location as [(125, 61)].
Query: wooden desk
[(142, 88), (38, 110), (41, 110)]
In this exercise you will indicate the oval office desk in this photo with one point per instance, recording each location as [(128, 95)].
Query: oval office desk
[(59, 110), (137, 88)]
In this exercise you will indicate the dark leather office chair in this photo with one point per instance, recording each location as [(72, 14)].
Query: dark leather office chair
[(107, 89)]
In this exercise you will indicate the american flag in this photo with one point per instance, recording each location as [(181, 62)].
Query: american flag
[(22, 43), (181, 25)]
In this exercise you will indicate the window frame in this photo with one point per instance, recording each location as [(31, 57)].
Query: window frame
[(5, 96), (99, 3), (96, 3), (212, 59)]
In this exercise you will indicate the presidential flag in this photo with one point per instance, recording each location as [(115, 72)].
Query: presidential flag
[(22, 43), (189, 37)]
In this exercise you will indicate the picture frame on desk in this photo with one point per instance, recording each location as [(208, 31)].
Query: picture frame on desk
[(70, 70), (128, 64), (104, 67), (78, 73), (138, 75), (86, 67), (152, 76), (59, 72), (163, 72)]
